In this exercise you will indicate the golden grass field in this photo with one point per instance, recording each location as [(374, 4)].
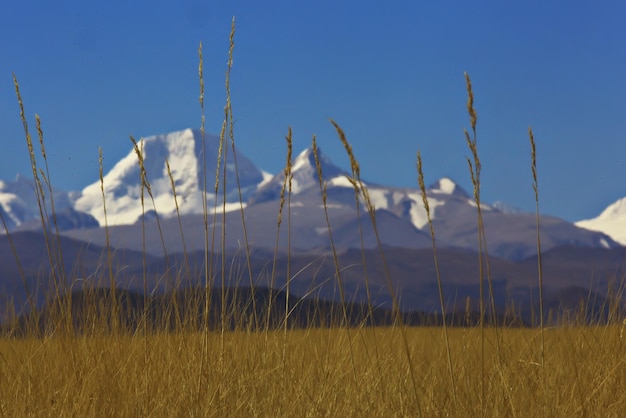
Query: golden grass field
[(569, 370), (314, 373)]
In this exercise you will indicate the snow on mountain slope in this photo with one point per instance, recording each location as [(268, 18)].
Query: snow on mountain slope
[(404, 202), (612, 221), (183, 150), (444, 186), (304, 177), (18, 202), (452, 209), (304, 170), (408, 204)]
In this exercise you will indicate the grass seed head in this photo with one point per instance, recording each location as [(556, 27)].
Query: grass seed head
[(201, 76), (470, 102), (289, 165), (420, 180), (354, 164), (318, 167), (533, 155)]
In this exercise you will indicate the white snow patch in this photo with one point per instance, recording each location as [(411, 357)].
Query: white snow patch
[(604, 243), (339, 181), (483, 206), (267, 177), (612, 221), (297, 186), (418, 212), (304, 174), (321, 230), (302, 160), (230, 207), (6, 200), (445, 186), (378, 198)]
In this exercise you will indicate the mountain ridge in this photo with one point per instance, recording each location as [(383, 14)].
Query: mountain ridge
[(453, 210)]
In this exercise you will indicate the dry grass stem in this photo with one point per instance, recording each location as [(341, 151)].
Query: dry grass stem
[(533, 156), (372, 214), (422, 185)]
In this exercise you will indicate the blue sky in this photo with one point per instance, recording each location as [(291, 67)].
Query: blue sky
[(391, 74)]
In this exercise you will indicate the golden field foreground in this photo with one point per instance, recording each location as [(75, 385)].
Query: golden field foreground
[(317, 372)]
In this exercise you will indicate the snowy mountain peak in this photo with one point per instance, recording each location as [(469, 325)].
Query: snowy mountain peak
[(304, 170), (183, 150), (305, 159), (447, 186), (304, 176), (612, 221)]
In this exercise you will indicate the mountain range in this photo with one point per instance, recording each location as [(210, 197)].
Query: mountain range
[(401, 216), (245, 215)]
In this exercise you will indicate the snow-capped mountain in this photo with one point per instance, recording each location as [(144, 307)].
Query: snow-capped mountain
[(401, 217), (304, 176), (403, 202), (612, 221), (453, 211), (19, 207), (183, 150)]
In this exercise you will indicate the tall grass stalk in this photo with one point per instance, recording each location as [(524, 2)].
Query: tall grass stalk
[(145, 185), (178, 217), (48, 182), (483, 251), (107, 240), (533, 156), (475, 168), (342, 295), (208, 264), (366, 276), (399, 321), (287, 184), (142, 175), (241, 202), (279, 221), (184, 272), (356, 185), (420, 180), (226, 132), (57, 280), (220, 173)]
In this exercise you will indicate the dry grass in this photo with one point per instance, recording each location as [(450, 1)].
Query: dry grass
[(104, 375), (363, 371)]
